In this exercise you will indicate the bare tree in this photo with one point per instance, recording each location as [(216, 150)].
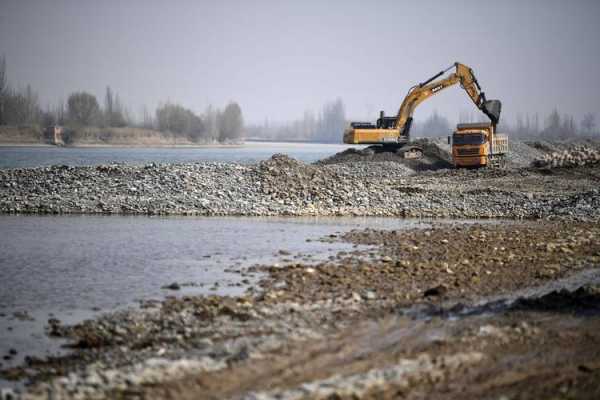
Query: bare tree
[(33, 110), (332, 122), (211, 118), (83, 108), (114, 112), (59, 112), (48, 117), (176, 119), (436, 125), (588, 123), (231, 123), (120, 116), (3, 88), (108, 106), (553, 125), (568, 128), (147, 121)]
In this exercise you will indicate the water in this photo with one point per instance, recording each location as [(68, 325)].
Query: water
[(23, 157), (68, 262), (72, 267)]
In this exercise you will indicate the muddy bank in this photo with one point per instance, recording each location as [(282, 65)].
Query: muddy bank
[(343, 327), (456, 261)]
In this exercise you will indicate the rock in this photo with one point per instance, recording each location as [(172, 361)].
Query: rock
[(23, 316), (438, 290), (172, 286), (370, 295)]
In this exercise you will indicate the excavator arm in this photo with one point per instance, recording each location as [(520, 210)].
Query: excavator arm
[(463, 75), (395, 131)]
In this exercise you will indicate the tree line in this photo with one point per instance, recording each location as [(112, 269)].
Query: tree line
[(82, 109), (329, 123), (555, 126), (326, 126)]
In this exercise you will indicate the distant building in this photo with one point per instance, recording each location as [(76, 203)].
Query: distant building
[(54, 135)]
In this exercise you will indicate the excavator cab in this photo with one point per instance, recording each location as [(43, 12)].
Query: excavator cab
[(384, 122)]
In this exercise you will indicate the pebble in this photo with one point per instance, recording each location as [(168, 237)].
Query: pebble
[(172, 286)]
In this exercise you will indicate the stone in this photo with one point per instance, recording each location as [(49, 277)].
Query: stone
[(438, 290), (172, 286)]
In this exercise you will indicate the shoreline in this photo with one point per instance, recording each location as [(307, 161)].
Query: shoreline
[(248, 143), (85, 146), (375, 304), (441, 309)]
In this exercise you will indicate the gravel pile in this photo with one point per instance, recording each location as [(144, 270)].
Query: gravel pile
[(576, 157), (521, 154), (436, 155), (284, 186)]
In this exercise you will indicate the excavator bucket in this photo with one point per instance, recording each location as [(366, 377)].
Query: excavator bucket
[(492, 109)]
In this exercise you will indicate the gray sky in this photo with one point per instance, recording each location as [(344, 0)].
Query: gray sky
[(278, 58)]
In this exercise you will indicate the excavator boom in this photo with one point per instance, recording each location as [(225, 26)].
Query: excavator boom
[(463, 75)]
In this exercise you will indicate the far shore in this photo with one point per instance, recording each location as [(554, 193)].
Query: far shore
[(90, 145), (249, 143)]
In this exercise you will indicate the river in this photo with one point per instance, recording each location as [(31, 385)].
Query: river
[(30, 156), (74, 267)]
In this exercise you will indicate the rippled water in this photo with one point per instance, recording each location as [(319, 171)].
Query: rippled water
[(21, 157), (71, 267), (66, 262)]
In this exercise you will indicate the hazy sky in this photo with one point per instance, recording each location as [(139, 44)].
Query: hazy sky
[(279, 58)]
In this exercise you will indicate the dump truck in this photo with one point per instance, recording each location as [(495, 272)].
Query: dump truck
[(478, 145), (394, 131)]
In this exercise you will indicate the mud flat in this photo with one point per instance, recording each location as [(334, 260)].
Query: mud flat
[(446, 311)]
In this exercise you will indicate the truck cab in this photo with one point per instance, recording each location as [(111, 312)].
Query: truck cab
[(477, 145)]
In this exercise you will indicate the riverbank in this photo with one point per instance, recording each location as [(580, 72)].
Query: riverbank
[(90, 136), (248, 153), (282, 186), (441, 309)]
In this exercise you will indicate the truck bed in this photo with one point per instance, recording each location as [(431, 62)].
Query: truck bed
[(500, 144)]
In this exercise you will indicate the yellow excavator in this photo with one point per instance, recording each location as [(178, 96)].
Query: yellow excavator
[(394, 131)]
